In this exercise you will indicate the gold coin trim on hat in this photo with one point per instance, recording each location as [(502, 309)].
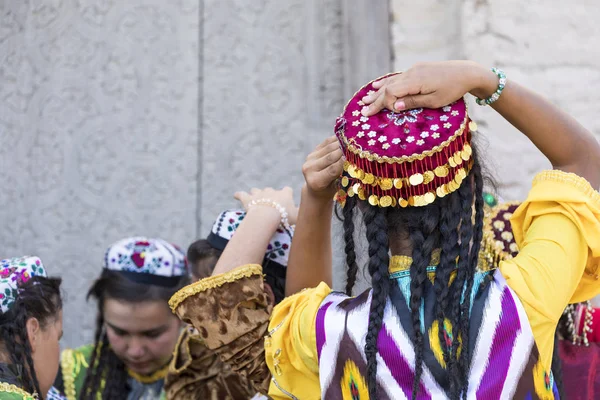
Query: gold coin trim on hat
[(425, 178)]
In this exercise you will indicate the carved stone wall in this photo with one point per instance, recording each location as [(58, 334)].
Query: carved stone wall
[(98, 133), (143, 117)]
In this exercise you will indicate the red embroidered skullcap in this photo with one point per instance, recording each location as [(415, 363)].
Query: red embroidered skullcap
[(406, 158)]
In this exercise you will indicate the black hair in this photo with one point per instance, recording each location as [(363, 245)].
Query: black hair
[(202, 258), (105, 367), (453, 224), (37, 298)]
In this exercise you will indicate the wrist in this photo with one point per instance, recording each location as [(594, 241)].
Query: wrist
[(322, 197), (317, 206), (272, 208), (268, 215), (485, 82)]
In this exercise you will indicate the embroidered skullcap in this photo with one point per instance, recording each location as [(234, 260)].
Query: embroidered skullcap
[(406, 158), (147, 260), (225, 226), (14, 272)]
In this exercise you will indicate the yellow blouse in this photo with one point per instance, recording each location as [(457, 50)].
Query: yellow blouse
[(557, 230)]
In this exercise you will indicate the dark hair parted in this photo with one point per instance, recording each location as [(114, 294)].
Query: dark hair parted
[(38, 298), (453, 224), (105, 367)]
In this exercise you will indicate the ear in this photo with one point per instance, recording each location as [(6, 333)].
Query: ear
[(33, 332)]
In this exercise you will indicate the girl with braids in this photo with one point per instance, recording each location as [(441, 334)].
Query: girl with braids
[(135, 330), (441, 320), (30, 329)]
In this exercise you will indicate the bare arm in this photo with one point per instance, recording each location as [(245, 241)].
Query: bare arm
[(567, 144), (310, 255), (250, 241)]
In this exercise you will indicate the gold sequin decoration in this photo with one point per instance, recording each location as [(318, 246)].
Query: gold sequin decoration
[(429, 197), (468, 149), (361, 194), (457, 158), (385, 201), (386, 183), (369, 179), (398, 183), (464, 155), (345, 181), (356, 188), (428, 177), (403, 203), (352, 171), (351, 192), (458, 179), (373, 200), (472, 126), (416, 179), (441, 172)]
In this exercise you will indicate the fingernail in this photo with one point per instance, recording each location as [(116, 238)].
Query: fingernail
[(399, 105), (366, 99), (365, 111)]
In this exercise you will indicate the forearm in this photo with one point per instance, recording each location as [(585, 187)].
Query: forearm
[(566, 143), (250, 241), (310, 255)]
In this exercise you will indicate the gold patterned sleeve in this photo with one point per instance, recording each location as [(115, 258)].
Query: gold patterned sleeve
[(231, 313)]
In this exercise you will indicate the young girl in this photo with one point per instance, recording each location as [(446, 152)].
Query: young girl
[(441, 321), (30, 329), (135, 330), (196, 372)]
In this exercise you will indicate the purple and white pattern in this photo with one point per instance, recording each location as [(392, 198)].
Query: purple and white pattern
[(503, 357)]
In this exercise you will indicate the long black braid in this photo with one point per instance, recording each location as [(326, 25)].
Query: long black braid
[(450, 248), (379, 259), (39, 298), (425, 238), (352, 266), (107, 373), (454, 224)]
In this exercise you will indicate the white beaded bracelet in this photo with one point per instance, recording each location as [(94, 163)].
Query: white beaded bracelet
[(270, 203)]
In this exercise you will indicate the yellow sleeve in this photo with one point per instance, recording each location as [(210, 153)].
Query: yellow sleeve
[(291, 346), (557, 230)]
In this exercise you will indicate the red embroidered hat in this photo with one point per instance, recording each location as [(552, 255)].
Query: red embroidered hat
[(406, 158)]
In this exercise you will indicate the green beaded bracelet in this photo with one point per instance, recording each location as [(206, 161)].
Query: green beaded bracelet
[(496, 95)]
